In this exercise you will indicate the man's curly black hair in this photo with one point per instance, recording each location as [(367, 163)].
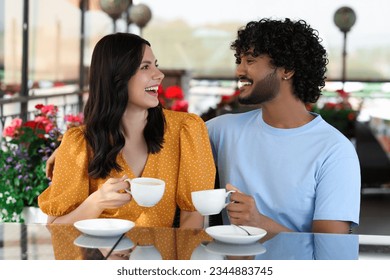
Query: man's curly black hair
[(292, 45)]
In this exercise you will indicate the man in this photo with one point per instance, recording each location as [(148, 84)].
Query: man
[(293, 171)]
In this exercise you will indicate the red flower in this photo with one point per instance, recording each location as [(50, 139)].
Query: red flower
[(351, 116), (230, 98), (174, 92), (343, 94), (330, 105), (160, 90), (13, 129), (39, 106), (49, 110), (180, 105), (74, 120), (36, 126)]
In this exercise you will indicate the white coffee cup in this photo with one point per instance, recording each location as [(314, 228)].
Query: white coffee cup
[(210, 202), (147, 192)]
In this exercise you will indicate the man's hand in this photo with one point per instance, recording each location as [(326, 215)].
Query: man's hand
[(50, 165), (242, 210)]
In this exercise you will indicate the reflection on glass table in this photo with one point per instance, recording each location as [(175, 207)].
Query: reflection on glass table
[(98, 242), (65, 242), (309, 246), (236, 250), (145, 252), (111, 247)]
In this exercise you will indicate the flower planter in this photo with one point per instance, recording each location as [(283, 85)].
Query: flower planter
[(34, 215), (25, 147)]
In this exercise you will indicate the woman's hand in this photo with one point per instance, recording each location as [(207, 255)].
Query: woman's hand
[(112, 194), (109, 196)]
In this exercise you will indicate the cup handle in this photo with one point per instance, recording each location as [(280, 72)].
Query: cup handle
[(227, 195), (129, 189)]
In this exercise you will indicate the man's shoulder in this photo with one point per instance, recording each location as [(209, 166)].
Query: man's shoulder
[(231, 119)]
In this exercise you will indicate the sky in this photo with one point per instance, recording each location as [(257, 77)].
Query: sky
[(202, 11), (369, 32), (371, 25)]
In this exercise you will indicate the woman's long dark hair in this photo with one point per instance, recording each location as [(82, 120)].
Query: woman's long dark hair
[(115, 59)]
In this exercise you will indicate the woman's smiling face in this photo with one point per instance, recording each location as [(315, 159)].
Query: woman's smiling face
[(142, 87)]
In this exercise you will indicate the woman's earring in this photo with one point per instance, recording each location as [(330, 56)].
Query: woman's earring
[(285, 78)]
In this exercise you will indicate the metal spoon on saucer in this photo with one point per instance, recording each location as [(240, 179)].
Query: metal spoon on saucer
[(243, 229)]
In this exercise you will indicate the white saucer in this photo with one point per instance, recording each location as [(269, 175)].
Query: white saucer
[(234, 235), (98, 242), (104, 227), (226, 249)]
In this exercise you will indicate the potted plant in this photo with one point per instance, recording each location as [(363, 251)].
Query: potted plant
[(25, 148), (339, 114)]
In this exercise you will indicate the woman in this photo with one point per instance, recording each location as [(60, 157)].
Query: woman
[(128, 134)]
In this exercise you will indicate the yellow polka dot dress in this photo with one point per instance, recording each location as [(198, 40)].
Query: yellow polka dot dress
[(185, 163)]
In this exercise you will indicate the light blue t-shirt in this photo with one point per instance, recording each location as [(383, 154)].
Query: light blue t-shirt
[(296, 175)]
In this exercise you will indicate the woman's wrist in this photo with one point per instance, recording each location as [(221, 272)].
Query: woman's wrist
[(93, 203)]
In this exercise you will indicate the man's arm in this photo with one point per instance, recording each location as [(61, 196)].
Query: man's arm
[(50, 164), (244, 212), (328, 226)]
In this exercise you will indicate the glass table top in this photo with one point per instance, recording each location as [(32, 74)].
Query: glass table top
[(65, 242)]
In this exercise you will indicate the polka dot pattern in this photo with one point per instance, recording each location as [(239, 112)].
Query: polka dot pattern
[(171, 243), (185, 164)]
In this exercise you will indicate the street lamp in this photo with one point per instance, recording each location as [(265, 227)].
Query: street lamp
[(140, 15), (114, 8), (344, 18)]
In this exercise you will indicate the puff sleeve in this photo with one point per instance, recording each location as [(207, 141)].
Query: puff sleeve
[(196, 168), (70, 184)]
